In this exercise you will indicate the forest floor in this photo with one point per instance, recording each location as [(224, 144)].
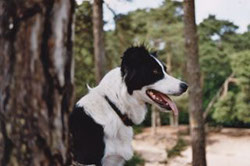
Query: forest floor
[(225, 147)]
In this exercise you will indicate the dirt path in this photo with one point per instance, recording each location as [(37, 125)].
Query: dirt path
[(229, 147)]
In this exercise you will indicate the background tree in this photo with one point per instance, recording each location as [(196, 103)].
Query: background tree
[(98, 39), (214, 59), (195, 90), (221, 47), (234, 106), (84, 49), (36, 81)]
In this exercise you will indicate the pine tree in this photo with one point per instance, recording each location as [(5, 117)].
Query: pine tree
[(36, 82)]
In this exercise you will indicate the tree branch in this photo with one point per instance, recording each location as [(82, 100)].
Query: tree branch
[(222, 92), (112, 10)]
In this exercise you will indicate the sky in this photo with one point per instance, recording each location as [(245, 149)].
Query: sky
[(237, 11)]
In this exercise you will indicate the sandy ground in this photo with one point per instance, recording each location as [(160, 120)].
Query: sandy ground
[(227, 147)]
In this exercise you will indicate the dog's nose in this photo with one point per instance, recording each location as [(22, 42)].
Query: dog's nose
[(183, 86)]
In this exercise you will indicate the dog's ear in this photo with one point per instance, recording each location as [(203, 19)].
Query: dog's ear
[(130, 80), (132, 58)]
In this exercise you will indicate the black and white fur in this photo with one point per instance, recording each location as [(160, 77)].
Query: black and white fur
[(100, 137)]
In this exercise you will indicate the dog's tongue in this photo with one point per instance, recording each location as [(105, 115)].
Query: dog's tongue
[(171, 104)]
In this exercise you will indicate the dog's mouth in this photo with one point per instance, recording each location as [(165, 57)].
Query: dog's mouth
[(162, 100)]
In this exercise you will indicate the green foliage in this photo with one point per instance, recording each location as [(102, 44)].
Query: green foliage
[(212, 28), (182, 104), (221, 54), (241, 68), (83, 49), (137, 129), (135, 161), (214, 55), (215, 66), (224, 111), (178, 148), (236, 105)]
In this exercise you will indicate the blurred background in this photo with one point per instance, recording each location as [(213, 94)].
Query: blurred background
[(223, 28)]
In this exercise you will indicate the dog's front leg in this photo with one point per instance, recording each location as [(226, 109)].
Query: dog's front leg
[(113, 161)]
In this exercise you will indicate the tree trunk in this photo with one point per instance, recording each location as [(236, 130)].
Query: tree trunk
[(195, 91), (36, 81), (155, 120), (98, 39)]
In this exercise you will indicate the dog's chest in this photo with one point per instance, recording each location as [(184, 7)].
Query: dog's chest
[(118, 142)]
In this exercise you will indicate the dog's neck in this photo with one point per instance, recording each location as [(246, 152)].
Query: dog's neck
[(113, 86)]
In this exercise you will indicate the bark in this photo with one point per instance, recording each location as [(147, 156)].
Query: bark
[(98, 39), (195, 90), (36, 81)]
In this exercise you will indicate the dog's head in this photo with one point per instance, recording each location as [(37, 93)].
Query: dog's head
[(146, 76)]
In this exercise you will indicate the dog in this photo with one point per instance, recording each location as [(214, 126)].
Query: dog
[(101, 122)]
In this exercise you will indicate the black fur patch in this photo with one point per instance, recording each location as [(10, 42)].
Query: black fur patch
[(139, 68), (87, 137)]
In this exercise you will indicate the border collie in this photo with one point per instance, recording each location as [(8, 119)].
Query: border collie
[(101, 122)]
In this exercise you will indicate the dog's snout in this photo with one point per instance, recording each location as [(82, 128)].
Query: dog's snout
[(183, 86)]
